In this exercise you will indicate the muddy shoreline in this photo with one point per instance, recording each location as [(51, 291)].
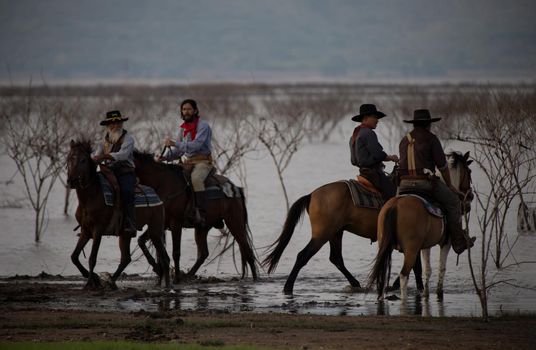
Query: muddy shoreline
[(54, 308)]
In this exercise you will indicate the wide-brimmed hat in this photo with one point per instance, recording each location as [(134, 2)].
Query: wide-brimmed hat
[(422, 116), (367, 109), (113, 117)]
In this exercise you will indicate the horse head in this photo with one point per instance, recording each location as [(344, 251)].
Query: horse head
[(80, 167), (461, 177)]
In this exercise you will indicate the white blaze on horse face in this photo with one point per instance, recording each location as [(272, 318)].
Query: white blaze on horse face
[(454, 172)]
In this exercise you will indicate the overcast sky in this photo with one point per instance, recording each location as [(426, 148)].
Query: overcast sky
[(255, 41)]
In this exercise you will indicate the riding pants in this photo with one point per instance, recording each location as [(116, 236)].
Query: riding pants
[(380, 180), (200, 172)]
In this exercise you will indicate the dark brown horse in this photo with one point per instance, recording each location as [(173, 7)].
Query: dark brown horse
[(331, 212), (170, 184), (94, 217), (405, 224)]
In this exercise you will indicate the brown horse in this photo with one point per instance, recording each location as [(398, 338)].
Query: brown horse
[(405, 224), (169, 182), (94, 217), (331, 212)]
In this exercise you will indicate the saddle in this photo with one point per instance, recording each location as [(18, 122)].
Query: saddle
[(116, 222), (431, 206), (144, 196), (363, 196), (367, 184), (216, 187)]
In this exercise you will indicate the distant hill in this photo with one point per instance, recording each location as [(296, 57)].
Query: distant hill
[(241, 40)]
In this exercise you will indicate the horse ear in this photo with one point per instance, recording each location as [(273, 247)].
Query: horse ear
[(469, 162), (72, 142), (466, 156)]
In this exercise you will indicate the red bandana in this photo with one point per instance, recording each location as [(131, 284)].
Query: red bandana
[(190, 127), (356, 131)]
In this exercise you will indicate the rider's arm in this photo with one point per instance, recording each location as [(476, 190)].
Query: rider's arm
[(374, 148), (172, 153), (98, 151), (126, 150), (199, 145)]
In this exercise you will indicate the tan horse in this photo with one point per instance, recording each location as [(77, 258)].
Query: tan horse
[(405, 224), (331, 212)]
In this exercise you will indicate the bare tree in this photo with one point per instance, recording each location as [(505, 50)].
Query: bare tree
[(34, 139), (501, 131), (281, 132)]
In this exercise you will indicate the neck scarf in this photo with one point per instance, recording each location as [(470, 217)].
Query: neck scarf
[(356, 131), (190, 128)]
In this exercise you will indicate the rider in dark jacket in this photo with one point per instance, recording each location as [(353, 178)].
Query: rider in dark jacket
[(367, 153)]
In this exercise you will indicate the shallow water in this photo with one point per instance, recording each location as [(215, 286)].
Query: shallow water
[(320, 287)]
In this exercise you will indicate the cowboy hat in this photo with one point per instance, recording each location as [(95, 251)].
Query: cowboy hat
[(422, 116), (113, 117), (367, 109)]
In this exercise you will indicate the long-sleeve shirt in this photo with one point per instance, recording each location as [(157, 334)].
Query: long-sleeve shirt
[(185, 146), (365, 150), (125, 154)]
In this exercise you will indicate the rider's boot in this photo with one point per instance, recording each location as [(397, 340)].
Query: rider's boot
[(460, 240), (129, 221)]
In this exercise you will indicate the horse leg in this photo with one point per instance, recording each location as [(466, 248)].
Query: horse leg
[(442, 269), (163, 259), (176, 236), (335, 256), (417, 271), (202, 249), (142, 240), (124, 246), (82, 241), (410, 256), (93, 280), (303, 257), (239, 231), (427, 271)]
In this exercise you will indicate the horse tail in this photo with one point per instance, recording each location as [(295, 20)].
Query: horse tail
[(249, 240), (293, 217), (382, 262)]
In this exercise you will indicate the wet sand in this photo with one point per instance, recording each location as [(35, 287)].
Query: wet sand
[(59, 309)]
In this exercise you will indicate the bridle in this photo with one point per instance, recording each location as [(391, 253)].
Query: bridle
[(76, 182), (468, 195)]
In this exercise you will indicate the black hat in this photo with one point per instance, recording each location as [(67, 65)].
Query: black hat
[(422, 116), (367, 109), (113, 117)]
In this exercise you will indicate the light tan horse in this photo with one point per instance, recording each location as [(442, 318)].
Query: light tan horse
[(405, 224), (331, 212)]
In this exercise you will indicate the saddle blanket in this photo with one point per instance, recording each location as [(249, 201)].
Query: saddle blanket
[(225, 190), (146, 198), (363, 197), (431, 208)]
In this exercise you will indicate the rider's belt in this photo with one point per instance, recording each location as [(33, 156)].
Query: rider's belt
[(198, 159)]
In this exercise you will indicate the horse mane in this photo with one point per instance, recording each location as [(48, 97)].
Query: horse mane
[(84, 144), (456, 158)]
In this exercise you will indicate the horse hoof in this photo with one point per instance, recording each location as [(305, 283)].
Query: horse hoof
[(93, 282), (288, 291), (354, 289)]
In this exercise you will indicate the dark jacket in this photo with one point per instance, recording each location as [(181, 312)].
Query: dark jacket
[(366, 151)]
